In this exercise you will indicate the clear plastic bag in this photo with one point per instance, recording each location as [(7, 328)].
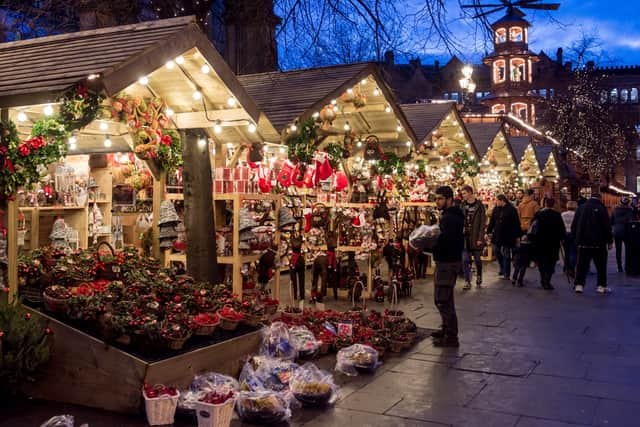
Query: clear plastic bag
[(357, 358), (206, 383), (262, 407), (303, 340), (59, 421), (313, 386), (424, 237), (276, 342), (267, 373)]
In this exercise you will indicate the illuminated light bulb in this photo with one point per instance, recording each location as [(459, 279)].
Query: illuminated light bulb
[(293, 127), (346, 126), (357, 158), (387, 109), (205, 69), (349, 90), (282, 150), (461, 134), (48, 110), (265, 148), (472, 157), (197, 95), (107, 142), (93, 76), (455, 123), (72, 147), (144, 80), (252, 128), (22, 117), (229, 145), (217, 128), (359, 144), (466, 145), (231, 101), (180, 60), (363, 81), (104, 126), (169, 112), (441, 157), (202, 143), (170, 64), (408, 143), (399, 128), (335, 108), (334, 102), (316, 115), (72, 140), (376, 92)]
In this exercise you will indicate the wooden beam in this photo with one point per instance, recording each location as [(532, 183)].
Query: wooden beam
[(159, 184), (199, 120), (202, 261)]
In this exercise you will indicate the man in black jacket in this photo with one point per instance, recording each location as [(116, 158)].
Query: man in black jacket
[(547, 239), (447, 255), (504, 229), (593, 236)]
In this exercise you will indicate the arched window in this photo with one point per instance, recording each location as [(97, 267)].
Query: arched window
[(519, 109), (517, 70), (515, 34), (498, 109), (501, 35), (624, 96), (614, 96), (499, 71), (633, 98)]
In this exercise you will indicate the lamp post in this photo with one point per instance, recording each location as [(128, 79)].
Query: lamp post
[(468, 87)]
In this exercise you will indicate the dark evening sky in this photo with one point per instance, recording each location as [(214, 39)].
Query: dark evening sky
[(615, 23)]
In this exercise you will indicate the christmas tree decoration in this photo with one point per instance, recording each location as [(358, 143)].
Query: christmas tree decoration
[(463, 165)]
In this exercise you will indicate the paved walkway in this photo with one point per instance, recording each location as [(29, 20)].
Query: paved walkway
[(528, 357)]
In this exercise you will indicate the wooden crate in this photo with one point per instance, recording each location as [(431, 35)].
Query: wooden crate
[(86, 371)]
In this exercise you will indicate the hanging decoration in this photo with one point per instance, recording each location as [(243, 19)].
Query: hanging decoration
[(79, 106), (302, 143), (359, 101), (149, 128), (373, 149), (491, 157), (327, 116), (463, 165), (525, 165), (389, 164), (336, 152)]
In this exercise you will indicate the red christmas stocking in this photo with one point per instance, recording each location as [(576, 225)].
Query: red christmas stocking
[(285, 174), (323, 167), (306, 212)]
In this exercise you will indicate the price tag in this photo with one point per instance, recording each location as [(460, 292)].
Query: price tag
[(345, 329)]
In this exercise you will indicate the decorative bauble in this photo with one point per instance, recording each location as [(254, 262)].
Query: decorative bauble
[(444, 150), (360, 100), (525, 166), (492, 158), (348, 96), (327, 114)]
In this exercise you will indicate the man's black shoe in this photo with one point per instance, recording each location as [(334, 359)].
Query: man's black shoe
[(446, 342), (437, 334), (548, 287)]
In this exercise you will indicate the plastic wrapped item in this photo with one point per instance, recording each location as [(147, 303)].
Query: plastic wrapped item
[(313, 386), (262, 372), (276, 342), (262, 407), (357, 358), (59, 421), (209, 382), (304, 342), (424, 237)]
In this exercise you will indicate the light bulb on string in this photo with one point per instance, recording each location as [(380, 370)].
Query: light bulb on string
[(359, 144), (205, 69), (346, 126), (104, 126), (231, 101), (252, 128), (387, 109), (217, 128), (107, 142), (47, 110), (170, 64), (169, 112), (197, 95), (144, 80), (376, 92), (22, 117), (202, 143), (180, 60)]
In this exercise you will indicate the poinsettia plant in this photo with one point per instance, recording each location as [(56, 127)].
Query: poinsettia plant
[(228, 312), (206, 319), (57, 292)]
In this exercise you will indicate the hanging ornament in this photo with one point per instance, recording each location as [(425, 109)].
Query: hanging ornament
[(525, 166), (373, 150), (359, 101), (443, 150), (347, 96), (327, 115), (491, 157)]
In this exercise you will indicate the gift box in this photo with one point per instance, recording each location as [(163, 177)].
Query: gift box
[(226, 174), (242, 186), (218, 186), (228, 187)]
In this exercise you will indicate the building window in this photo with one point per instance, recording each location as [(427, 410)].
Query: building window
[(633, 98), (501, 35), (543, 93), (624, 96), (515, 34), (517, 69), (519, 110), (552, 93), (604, 96), (499, 71), (613, 96), (454, 96), (498, 109)]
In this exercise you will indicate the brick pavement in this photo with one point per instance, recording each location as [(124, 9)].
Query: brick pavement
[(528, 358)]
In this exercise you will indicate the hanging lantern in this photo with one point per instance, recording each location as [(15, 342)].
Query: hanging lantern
[(360, 100)]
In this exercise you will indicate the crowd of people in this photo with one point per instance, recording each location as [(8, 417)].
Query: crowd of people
[(523, 233)]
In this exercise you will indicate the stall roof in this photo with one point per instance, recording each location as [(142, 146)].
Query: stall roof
[(542, 154), (425, 118), (519, 145), (483, 134)]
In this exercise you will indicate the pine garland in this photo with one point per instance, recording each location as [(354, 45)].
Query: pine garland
[(302, 144), (463, 165)]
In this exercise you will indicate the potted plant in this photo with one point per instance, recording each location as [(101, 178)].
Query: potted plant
[(175, 334), (229, 318), (56, 299), (292, 313), (254, 313), (205, 323), (160, 404)]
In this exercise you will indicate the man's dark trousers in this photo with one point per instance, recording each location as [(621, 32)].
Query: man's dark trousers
[(445, 279), (599, 256)]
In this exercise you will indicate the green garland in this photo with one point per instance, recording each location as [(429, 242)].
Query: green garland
[(336, 154), (389, 164), (302, 144), (463, 165)]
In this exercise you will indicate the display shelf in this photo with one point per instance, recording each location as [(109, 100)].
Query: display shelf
[(59, 208), (245, 196), (418, 204), (242, 258)]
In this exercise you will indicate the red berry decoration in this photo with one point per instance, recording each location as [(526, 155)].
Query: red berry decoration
[(177, 298), (48, 331), (1, 334), (27, 316)]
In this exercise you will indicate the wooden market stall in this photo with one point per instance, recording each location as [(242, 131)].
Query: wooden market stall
[(157, 89), (528, 166)]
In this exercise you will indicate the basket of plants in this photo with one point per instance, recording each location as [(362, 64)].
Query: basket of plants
[(312, 386), (56, 299), (215, 409), (399, 342), (262, 407), (205, 323), (175, 334), (160, 404), (229, 318), (254, 313)]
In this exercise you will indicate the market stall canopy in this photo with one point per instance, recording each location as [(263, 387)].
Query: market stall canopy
[(547, 162), (171, 59), (528, 167), (491, 142), (291, 97), (439, 127)]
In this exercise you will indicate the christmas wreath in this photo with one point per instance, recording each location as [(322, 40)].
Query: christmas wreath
[(389, 164), (302, 144), (463, 165), (79, 106)]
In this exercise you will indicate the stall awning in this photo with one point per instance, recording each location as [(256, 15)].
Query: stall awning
[(425, 118), (519, 145), (482, 135)]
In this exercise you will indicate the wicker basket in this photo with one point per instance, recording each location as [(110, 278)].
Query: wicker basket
[(253, 320), (228, 324), (412, 336), (271, 309), (160, 410), (206, 329), (56, 305), (176, 343), (215, 415), (396, 346)]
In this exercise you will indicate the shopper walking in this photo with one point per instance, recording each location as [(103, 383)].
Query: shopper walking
[(447, 255), (570, 252), (504, 229), (592, 231), (527, 209), (621, 216), (475, 220), (547, 234)]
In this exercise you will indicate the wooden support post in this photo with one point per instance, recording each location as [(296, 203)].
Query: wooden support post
[(202, 261), (237, 262), (12, 248), (158, 196)]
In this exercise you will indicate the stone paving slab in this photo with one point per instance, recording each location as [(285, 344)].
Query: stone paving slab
[(452, 415), (541, 422), (617, 413)]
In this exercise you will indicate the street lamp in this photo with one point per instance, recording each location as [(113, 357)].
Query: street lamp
[(467, 85)]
